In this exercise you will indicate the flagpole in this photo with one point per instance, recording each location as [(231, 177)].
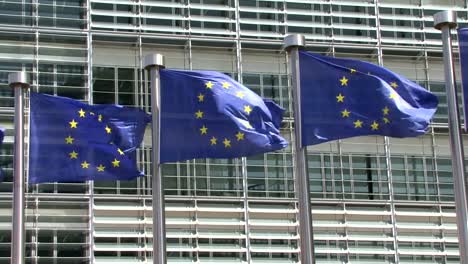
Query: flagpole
[(19, 82), (153, 63), (445, 21), (292, 43)]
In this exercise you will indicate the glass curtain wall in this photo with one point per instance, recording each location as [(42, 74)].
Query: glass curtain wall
[(368, 206)]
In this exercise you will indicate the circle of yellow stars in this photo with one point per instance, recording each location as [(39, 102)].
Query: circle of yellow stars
[(345, 113), (203, 130), (69, 140)]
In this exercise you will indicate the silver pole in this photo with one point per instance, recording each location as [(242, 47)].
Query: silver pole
[(155, 62), (292, 43), (445, 21), (19, 82)]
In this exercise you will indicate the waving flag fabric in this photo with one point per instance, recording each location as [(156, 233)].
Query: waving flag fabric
[(342, 98), (206, 114), (74, 142)]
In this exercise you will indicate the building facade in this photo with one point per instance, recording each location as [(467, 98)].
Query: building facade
[(374, 199)]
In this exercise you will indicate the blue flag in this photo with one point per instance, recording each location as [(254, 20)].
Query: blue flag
[(206, 114), (74, 142), (342, 98), (463, 46)]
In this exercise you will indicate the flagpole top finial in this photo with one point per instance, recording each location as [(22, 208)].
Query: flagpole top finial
[(18, 78), (295, 40), (445, 18), (154, 60)]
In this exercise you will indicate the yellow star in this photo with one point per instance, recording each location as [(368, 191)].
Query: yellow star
[(357, 123), (345, 113), (73, 124), (249, 126), (340, 98), (240, 95), (204, 130), (108, 130), (199, 114), (227, 143), (100, 168), (226, 85), (394, 85), (82, 113), (247, 109), (240, 136), (69, 140), (344, 81), (73, 155), (352, 70), (85, 165), (120, 151), (116, 163), (375, 126), (100, 118), (393, 95), (386, 120), (213, 141), (209, 85), (201, 97), (386, 110)]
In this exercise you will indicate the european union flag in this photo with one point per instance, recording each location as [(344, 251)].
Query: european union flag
[(342, 98), (74, 142), (463, 46), (206, 114)]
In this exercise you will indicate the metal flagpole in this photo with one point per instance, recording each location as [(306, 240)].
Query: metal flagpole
[(155, 62), (19, 82), (292, 43), (445, 21)]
